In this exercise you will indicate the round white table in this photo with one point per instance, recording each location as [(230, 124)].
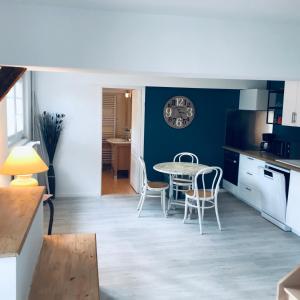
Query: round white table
[(177, 168)]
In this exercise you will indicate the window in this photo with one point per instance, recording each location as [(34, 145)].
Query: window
[(15, 112)]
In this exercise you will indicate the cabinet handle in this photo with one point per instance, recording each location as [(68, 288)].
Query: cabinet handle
[(250, 158), (234, 161), (249, 173), (248, 189), (294, 117)]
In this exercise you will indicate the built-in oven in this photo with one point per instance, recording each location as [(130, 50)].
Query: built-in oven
[(231, 166)]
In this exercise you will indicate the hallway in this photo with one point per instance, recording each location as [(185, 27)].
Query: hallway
[(119, 186)]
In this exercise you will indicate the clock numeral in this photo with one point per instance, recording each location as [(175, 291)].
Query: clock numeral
[(179, 122), (179, 101), (168, 112), (189, 112)]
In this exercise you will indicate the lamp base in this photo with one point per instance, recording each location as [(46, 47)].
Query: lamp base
[(24, 180)]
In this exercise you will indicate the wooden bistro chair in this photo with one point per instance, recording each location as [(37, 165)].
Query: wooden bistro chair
[(159, 188), (204, 198), (183, 183)]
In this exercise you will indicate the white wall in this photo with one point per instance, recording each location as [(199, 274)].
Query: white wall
[(77, 161), (157, 44), (4, 180), (79, 96)]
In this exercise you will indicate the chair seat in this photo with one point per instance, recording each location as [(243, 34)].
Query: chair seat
[(157, 185), (208, 194)]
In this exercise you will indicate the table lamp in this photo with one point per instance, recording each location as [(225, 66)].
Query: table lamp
[(22, 162)]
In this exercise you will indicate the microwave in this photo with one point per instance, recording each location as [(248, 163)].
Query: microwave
[(286, 149)]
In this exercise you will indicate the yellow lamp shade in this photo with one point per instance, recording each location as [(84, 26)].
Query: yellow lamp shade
[(23, 160)]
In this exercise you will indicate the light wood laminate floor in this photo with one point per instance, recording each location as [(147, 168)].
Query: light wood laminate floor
[(110, 185), (160, 258)]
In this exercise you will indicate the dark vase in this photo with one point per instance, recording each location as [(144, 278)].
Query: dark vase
[(51, 179)]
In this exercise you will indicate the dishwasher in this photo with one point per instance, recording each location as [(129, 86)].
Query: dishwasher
[(274, 183)]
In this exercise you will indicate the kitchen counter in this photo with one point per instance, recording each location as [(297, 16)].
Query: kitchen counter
[(117, 141), (120, 155), (264, 156)]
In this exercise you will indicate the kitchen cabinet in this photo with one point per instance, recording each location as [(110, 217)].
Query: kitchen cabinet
[(293, 206), (253, 99), (291, 104), (249, 186)]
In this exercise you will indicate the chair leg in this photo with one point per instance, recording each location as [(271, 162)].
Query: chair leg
[(203, 209), (176, 193), (142, 203), (217, 213), (164, 202), (185, 209), (199, 216)]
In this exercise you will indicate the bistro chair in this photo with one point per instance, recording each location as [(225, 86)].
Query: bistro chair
[(183, 183), (207, 196), (157, 187)]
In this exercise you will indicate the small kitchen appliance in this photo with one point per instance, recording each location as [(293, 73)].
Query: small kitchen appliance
[(266, 144)]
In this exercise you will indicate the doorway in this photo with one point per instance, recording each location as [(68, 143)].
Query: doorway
[(118, 140)]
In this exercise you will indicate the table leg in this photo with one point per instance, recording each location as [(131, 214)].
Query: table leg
[(170, 193), (193, 187), (51, 207)]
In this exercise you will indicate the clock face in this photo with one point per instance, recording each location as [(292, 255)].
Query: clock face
[(179, 112)]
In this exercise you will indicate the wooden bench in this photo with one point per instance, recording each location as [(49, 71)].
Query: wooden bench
[(67, 268), (288, 288)]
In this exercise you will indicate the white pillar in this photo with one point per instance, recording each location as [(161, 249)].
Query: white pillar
[(4, 180)]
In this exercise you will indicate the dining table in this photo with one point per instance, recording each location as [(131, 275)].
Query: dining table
[(178, 168)]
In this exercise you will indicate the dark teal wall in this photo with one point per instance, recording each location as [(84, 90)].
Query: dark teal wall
[(287, 133), (204, 137)]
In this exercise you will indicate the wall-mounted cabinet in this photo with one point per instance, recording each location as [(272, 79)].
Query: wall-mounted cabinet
[(291, 104), (253, 99)]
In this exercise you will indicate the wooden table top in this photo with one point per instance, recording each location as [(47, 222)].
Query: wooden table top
[(179, 168), (18, 207)]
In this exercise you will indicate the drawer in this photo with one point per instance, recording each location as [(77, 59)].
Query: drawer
[(250, 179), (250, 195), (250, 164)]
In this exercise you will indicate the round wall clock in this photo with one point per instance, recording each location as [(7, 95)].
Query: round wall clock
[(179, 112)]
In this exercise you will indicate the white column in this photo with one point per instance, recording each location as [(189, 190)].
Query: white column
[(4, 180)]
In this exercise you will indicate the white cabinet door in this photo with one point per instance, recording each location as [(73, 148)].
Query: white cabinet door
[(291, 103), (293, 206), (253, 99), (249, 186)]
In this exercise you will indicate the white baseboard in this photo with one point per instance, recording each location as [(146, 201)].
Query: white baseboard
[(77, 195)]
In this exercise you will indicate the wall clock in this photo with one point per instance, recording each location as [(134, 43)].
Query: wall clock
[(179, 112)]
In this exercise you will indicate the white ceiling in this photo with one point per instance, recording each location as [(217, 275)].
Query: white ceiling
[(269, 10)]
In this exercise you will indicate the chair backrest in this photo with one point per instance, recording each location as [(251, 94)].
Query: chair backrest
[(144, 172), (210, 179), (186, 157)]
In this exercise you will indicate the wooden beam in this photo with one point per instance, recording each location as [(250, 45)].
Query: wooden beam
[(8, 77)]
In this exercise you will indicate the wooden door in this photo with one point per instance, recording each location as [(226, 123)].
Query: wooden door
[(137, 140)]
